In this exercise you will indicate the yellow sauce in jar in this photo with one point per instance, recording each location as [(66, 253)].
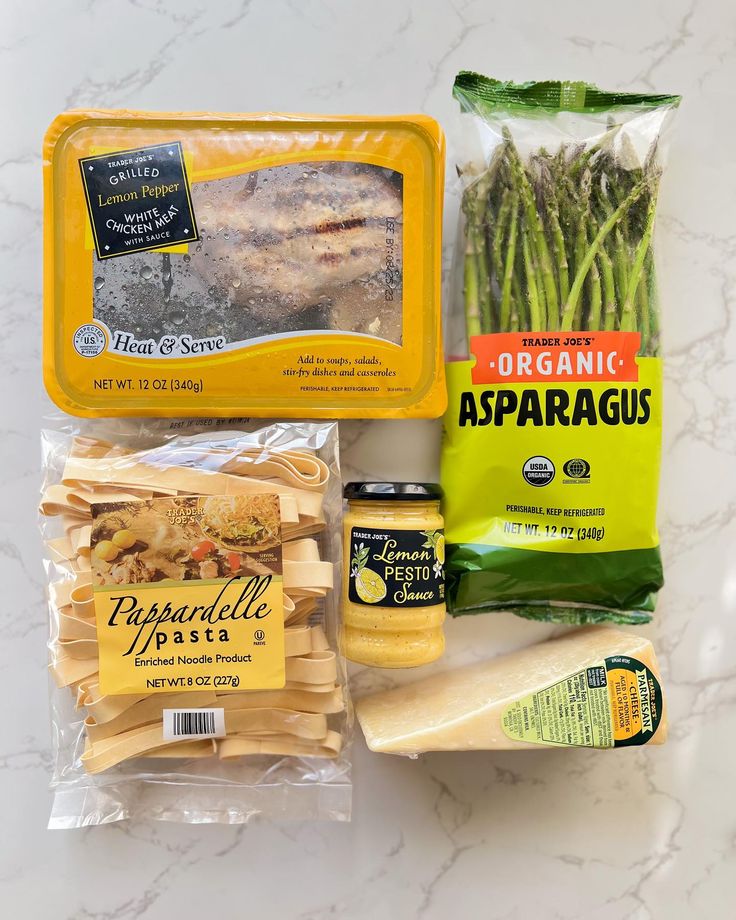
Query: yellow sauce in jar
[(394, 581)]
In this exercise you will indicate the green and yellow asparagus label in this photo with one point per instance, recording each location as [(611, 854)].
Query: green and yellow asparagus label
[(542, 430)]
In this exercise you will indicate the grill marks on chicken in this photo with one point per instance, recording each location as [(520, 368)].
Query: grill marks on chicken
[(301, 233), (294, 247), (301, 197), (335, 225)]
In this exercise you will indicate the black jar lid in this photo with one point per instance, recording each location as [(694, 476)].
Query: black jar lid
[(393, 491)]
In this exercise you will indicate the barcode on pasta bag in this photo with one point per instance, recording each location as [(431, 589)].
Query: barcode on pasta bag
[(193, 723)]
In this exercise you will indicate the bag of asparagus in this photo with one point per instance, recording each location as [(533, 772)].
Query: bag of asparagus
[(551, 448)]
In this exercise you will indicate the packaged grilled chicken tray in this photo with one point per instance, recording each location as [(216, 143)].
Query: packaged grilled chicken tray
[(267, 265)]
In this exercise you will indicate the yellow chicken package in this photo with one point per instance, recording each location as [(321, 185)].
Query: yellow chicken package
[(266, 265)]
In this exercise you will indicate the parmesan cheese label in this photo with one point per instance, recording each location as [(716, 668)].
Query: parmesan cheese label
[(612, 703), (189, 593)]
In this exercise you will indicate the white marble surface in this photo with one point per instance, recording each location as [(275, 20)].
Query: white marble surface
[(644, 834)]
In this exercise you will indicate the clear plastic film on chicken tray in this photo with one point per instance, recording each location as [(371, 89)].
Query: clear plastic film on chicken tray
[(199, 264), (192, 573)]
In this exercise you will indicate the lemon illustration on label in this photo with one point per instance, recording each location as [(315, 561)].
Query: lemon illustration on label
[(371, 588), (436, 542), (439, 549)]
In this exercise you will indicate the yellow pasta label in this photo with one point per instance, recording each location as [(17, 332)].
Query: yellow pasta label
[(189, 594)]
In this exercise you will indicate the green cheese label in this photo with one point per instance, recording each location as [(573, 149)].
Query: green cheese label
[(612, 703)]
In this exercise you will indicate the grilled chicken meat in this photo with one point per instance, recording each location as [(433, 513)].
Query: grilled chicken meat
[(289, 248), (301, 235)]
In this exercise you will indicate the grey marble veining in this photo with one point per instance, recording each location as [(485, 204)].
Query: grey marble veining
[(636, 834)]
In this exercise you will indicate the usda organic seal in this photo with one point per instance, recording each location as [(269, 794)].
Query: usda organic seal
[(538, 471), (89, 340)]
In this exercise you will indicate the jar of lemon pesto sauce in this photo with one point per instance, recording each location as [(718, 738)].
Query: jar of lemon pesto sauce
[(394, 584)]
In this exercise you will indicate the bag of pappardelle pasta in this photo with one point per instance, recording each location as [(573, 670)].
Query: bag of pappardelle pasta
[(191, 569), (551, 446)]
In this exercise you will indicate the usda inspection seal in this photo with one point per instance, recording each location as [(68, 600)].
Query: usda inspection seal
[(89, 341)]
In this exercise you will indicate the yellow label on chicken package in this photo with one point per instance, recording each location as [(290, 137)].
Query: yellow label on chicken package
[(189, 594)]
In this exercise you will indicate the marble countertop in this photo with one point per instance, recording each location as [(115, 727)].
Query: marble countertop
[(643, 834)]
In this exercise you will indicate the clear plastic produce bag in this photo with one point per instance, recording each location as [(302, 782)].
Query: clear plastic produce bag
[(550, 461)]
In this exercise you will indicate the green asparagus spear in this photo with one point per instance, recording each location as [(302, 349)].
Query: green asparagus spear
[(535, 224), (628, 316), (562, 242), (510, 258), (584, 267)]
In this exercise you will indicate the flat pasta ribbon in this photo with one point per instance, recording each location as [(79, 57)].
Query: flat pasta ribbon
[(292, 721), (240, 746)]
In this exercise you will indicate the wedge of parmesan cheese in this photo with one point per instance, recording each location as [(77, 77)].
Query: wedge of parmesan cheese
[(592, 687)]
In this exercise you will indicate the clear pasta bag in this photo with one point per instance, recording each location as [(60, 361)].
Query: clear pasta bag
[(192, 574), (550, 461)]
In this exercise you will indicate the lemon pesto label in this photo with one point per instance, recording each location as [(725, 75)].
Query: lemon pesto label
[(189, 593), (397, 568), (616, 702)]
